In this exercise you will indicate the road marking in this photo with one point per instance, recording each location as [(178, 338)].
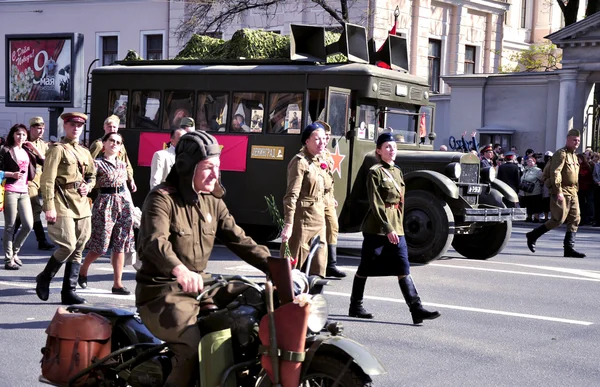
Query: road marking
[(580, 272), (82, 292), (479, 310)]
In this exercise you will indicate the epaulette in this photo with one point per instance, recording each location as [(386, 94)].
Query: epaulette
[(301, 156), (376, 167)]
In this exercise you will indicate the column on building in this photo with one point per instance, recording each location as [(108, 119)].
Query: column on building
[(454, 46), (566, 105), (176, 16)]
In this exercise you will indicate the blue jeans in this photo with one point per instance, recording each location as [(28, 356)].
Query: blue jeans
[(14, 203)]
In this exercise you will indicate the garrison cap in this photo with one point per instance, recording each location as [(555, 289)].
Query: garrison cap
[(33, 121), (574, 132), (74, 117), (187, 122)]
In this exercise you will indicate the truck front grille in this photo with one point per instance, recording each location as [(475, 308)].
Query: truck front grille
[(469, 174)]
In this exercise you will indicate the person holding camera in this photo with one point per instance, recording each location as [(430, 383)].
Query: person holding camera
[(531, 190)]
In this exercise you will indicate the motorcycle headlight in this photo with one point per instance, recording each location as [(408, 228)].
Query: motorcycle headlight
[(319, 312), (488, 175), (453, 170)]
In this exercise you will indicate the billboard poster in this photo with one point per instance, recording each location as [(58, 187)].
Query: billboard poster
[(41, 70)]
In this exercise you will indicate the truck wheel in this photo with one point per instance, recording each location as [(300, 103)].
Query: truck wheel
[(487, 241), (427, 223)]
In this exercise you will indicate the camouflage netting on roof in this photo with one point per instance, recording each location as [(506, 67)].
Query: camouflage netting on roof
[(249, 44)]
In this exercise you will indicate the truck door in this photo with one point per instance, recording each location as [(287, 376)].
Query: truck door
[(338, 116)]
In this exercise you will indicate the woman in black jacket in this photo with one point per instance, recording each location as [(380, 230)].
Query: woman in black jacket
[(18, 159)]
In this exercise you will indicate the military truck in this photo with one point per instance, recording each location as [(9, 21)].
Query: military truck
[(251, 106)]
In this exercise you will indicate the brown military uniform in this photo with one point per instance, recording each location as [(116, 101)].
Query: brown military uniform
[(563, 178), (96, 151), (331, 219), (67, 164), (173, 233), (304, 208), (33, 186)]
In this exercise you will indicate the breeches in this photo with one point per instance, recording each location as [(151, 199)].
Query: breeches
[(70, 235), (565, 212)]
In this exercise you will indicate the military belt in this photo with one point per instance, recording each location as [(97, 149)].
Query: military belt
[(392, 205), (75, 185), (112, 190)]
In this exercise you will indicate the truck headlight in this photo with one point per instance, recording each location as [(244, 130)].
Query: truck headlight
[(488, 175), (319, 312), (453, 170)]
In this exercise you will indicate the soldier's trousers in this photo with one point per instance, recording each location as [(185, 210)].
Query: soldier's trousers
[(173, 319), (565, 212), (70, 235), (332, 226), (36, 202)]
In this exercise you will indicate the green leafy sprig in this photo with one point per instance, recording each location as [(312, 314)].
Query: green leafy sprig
[(278, 220)]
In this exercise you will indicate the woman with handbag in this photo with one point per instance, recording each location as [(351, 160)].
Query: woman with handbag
[(384, 250), (112, 219), (531, 190), (18, 160)]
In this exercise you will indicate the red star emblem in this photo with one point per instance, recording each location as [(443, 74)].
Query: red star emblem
[(337, 161)]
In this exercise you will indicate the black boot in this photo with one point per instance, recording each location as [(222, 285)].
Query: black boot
[(68, 295), (533, 236), (42, 289), (43, 244), (356, 299), (407, 286), (569, 244), (332, 270)]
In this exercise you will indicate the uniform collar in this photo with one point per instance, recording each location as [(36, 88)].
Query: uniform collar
[(314, 158), (387, 165), (65, 140)]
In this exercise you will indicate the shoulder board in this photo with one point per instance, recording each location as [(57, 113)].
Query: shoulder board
[(300, 156), (376, 167)]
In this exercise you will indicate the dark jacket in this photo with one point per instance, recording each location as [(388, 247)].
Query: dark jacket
[(9, 164), (510, 173)]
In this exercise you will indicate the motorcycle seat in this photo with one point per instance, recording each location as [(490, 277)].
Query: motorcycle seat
[(105, 312)]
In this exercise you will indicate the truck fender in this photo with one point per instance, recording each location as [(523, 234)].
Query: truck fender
[(447, 186), (506, 191), (343, 347)]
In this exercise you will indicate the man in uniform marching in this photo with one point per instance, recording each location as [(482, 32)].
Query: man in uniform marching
[(564, 205), (69, 174)]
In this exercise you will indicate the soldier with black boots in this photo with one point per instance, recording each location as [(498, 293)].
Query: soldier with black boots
[(331, 219), (69, 174), (384, 249), (564, 205)]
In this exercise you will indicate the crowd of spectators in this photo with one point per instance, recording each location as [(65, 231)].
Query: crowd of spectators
[(525, 174)]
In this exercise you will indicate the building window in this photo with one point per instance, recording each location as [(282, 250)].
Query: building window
[(470, 59), (154, 47), (110, 49), (523, 12), (214, 34), (435, 56)]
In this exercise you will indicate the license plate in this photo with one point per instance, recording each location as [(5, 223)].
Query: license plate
[(474, 189)]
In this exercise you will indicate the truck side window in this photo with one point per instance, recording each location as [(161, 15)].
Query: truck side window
[(285, 113), (211, 114), (145, 109), (117, 105), (247, 112), (178, 104)]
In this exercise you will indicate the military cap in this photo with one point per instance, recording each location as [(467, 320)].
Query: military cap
[(309, 129), (509, 155), (548, 153), (574, 132), (33, 121), (74, 117), (383, 138), (487, 148), (187, 122)]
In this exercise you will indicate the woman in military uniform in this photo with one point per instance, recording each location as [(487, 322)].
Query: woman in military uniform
[(384, 250), (304, 208)]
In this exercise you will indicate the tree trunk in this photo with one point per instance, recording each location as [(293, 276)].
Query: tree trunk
[(593, 6), (570, 12)]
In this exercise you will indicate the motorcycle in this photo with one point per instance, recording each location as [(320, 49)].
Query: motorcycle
[(267, 334)]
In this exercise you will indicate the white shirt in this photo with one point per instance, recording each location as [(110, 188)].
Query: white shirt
[(162, 162)]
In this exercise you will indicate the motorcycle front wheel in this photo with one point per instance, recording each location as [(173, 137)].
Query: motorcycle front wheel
[(324, 371)]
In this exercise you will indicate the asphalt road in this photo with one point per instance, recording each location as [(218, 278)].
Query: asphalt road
[(519, 319)]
